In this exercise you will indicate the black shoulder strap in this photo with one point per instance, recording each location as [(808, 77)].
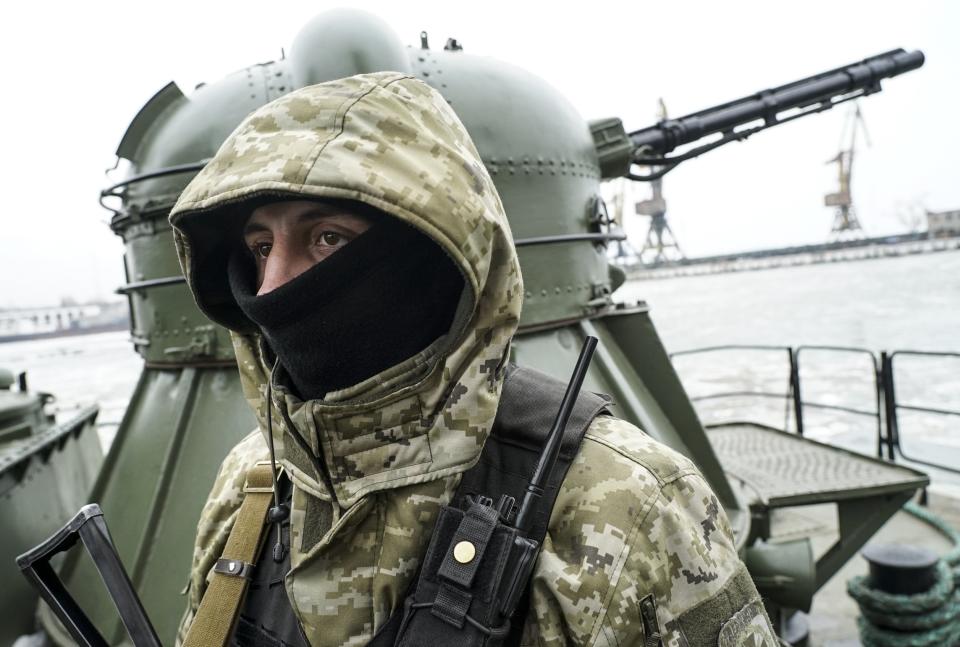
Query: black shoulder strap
[(528, 406)]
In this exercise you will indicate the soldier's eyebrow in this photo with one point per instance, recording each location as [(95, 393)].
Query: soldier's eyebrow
[(318, 215), (343, 218), (254, 227)]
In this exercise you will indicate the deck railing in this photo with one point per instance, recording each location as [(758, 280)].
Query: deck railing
[(883, 384), (893, 406)]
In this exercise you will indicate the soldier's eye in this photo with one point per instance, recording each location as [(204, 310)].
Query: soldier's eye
[(261, 250), (331, 238)]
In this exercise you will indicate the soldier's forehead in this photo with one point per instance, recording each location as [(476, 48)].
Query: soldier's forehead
[(304, 210)]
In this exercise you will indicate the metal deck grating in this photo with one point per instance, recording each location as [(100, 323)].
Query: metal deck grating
[(786, 469)]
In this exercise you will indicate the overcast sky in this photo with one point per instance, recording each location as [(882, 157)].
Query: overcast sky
[(77, 73)]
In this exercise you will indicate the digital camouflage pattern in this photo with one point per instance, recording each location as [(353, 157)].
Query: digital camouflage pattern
[(378, 460)]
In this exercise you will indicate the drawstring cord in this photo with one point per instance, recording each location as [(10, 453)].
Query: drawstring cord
[(279, 512)]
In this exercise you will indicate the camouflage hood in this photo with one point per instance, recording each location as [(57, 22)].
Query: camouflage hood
[(392, 142)]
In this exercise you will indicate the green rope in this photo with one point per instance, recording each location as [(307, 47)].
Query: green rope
[(921, 620), (948, 531), (906, 621)]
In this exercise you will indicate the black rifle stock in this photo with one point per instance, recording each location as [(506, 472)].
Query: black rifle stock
[(89, 528)]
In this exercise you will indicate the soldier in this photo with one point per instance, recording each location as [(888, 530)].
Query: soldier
[(350, 237)]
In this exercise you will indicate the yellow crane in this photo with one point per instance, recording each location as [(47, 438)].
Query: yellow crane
[(845, 222), (660, 245)]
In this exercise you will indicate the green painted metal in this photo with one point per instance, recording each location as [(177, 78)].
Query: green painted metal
[(541, 156), (166, 327), (178, 426), (21, 415), (784, 572), (45, 474)]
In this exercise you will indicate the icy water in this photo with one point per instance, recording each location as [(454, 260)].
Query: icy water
[(910, 302), (903, 302), (894, 304), (83, 370)]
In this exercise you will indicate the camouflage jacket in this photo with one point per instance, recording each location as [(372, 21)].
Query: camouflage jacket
[(637, 542)]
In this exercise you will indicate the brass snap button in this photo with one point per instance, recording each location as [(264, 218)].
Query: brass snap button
[(464, 552)]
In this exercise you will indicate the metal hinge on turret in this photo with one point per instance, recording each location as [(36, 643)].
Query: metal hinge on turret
[(613, 146), (203, 344), (599, 296)]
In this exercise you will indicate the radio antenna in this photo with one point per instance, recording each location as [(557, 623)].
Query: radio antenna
[(548, 458)]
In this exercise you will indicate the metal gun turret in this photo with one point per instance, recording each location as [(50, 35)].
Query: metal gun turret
[(619, 151)]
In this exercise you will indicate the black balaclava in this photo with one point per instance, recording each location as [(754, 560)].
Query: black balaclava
[(372, 304)]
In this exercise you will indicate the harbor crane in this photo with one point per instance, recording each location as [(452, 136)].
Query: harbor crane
[(660, 245), (845, 222)]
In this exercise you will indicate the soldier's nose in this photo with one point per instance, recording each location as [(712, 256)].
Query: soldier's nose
[(282, 265)]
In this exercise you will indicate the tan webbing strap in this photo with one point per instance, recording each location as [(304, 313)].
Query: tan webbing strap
[(220, 606)]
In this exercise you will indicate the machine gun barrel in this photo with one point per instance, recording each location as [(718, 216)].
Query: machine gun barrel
[(813, 94)]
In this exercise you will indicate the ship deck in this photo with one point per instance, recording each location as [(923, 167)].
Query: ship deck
[(833, 618), (805, 488)]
